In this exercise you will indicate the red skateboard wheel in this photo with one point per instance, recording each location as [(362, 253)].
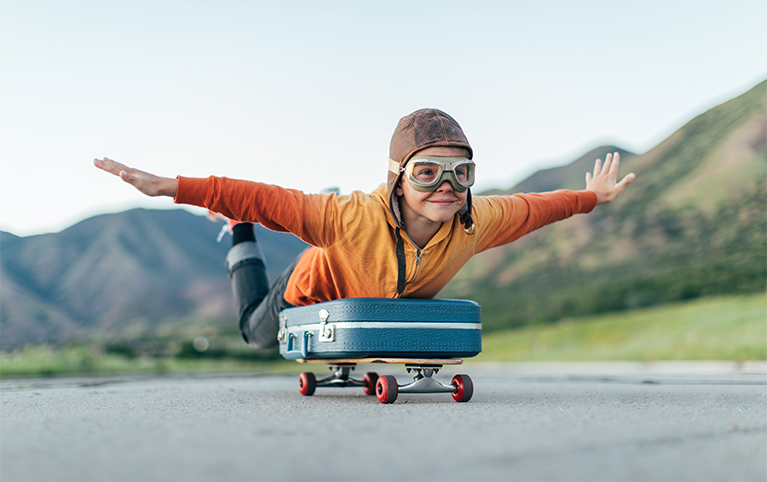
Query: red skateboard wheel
[(307, 383), (370, 380), (464, 388), (387, 389)]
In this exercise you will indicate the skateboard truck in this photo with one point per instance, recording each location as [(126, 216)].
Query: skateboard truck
[(340, 377), (423, 381), (386, 388)]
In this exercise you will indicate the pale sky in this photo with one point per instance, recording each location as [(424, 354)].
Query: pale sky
[(307, 94)]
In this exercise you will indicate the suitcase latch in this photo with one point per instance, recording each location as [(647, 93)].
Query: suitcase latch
[(327, 333), (282, 335)]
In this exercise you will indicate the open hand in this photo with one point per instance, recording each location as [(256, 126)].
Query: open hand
[(145, 182), (604, 180)]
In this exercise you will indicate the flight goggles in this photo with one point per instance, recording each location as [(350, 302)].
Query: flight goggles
[(428, 173)]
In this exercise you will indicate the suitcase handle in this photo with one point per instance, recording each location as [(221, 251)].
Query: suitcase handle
[(304, 349)]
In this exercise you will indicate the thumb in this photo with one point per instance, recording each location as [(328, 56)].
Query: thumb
[(627, 180), (131, 179), (618, 190)]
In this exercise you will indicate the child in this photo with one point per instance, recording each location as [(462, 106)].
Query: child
[(404, 240)]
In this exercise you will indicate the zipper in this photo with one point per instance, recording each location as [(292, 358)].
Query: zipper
[(417, 250)]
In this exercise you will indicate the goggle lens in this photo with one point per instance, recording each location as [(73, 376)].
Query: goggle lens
[(430, 173), (426, 172)]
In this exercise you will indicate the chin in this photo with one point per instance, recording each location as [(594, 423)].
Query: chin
[(443, 219)]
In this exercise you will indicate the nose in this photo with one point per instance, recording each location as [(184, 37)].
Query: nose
[(445, 187)]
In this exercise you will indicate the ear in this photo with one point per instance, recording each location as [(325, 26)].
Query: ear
[(398, 190)]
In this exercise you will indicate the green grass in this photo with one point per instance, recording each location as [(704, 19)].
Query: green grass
[(45, 360), (726, 328)]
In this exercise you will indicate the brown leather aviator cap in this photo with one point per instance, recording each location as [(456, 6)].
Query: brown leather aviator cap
[(419, 130)]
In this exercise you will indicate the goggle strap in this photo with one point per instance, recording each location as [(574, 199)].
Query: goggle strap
[(394, 166)]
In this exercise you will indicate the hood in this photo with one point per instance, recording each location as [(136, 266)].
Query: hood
[(417, 131)]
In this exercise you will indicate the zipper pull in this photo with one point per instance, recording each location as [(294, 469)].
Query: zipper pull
[(417, 256)]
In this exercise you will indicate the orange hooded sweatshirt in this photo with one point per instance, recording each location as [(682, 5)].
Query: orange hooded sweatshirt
[(353, 236)]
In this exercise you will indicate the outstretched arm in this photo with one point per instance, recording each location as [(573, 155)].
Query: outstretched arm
[(145, 182), (603, 182)]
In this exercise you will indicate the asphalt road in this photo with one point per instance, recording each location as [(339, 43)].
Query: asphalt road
[(612, 422)]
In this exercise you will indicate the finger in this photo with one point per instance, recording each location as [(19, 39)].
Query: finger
[(103, 164), (588, 179), (597, 167), (615, 164), (607, 164), (110, 166)]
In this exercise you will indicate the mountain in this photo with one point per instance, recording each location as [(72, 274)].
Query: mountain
[(571, 176), (692, 224), (114, 273)]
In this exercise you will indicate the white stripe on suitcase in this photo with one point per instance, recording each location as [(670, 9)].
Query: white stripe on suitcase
[(389, 325)]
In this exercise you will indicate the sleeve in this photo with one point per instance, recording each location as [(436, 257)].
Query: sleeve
[(312, 217), (503, 219)]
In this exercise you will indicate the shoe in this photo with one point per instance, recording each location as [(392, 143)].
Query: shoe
[(226, 228)]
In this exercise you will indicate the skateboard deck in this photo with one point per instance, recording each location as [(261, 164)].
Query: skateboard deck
[(405, 361), (386, 388)]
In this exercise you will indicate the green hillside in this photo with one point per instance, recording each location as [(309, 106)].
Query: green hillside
[(692, 224), (717, 328)]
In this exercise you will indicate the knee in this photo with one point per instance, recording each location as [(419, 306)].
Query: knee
[(255, 332)]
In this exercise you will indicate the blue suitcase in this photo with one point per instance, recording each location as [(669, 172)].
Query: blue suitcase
[(424, 335), (381, 327)]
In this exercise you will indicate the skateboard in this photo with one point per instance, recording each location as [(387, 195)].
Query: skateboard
[(386, 388)]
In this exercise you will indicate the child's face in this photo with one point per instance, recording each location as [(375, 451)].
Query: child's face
[(436, 206)]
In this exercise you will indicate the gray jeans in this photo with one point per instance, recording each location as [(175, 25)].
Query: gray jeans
[(258, 305)]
